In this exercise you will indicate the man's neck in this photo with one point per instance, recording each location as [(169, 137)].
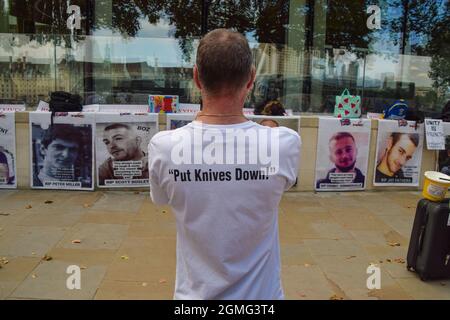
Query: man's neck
[(383, 168), (224, 109)]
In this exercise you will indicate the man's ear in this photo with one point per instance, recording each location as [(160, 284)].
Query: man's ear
[(389, 144), (196, 78), (252, 79), (43, 151)]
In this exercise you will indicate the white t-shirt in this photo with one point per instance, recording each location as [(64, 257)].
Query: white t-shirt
[(225, 204)]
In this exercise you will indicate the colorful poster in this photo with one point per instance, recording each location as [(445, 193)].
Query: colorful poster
[(61, 155), (342, 154), (444, 155), (121, 148), (291, 122), (163, 104), (399, 153), (178, 120), (7, 150)]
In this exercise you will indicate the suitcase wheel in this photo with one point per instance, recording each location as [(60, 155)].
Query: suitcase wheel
[(423, 277), (409, 268)]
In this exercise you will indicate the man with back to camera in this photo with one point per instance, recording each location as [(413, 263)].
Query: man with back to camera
[(60, 147), (227, 220), (343, 153), (123, 144), (399, 150)]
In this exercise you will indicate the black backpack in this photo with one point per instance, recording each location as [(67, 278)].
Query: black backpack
[(61, 101)]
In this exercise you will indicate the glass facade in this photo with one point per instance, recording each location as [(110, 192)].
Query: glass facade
[(306, 51)]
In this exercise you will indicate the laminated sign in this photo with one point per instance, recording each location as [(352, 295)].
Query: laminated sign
[(399, 153), (121, 148), (62, 154), (342, 154), (434, 134), (7, 150)]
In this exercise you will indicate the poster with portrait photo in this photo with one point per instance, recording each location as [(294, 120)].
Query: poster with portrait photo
[(444, 155), (7, 150), (342, 154), (399, 153), (291, 122), (178, 120), (121, 148), (61, 155)]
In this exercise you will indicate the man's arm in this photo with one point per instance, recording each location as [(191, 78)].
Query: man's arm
[(291, 157), (157, 191)]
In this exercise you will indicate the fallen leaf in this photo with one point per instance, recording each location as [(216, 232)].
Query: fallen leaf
[(144, 284), (307, 265), (394, 244), (336, 297), (162, 281), (399, 260), (4, 214), (28, 207), (33, 253), (124, 257), (48, 202), (5, 261), (350, 257), (164, 211), (301, 295), (388, 260), (47, 258), (86, 205), (34, 276), (82, 267), (76, 241), (136, 192)]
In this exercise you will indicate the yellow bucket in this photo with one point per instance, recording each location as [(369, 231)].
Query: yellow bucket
[(435, 185)]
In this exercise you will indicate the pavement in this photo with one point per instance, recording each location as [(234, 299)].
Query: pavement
[(124, 246)]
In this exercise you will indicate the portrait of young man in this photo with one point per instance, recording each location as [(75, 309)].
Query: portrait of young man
[(400, 148), (59, 150), (343, 153), (123, 144)]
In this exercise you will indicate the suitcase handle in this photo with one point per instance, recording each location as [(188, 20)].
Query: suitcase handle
[(421, 237)]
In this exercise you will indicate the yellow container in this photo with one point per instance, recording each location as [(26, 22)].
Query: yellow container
[(435, 185)]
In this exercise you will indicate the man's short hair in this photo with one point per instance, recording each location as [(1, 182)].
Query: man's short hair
[(414, 137), (117, 126), (65, 132), (224, 60), (341, 135)]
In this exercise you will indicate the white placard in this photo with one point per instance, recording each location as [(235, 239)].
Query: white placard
[(116, 108), (121, 148), (399, 153), (12, 107), (434, 134), (62, 155), (342, 154), (188, 108), (178, 120), (291, 122), (7, 150), (43, 106)]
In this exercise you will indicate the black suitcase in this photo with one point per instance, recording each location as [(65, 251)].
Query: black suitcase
[(429, 246)]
